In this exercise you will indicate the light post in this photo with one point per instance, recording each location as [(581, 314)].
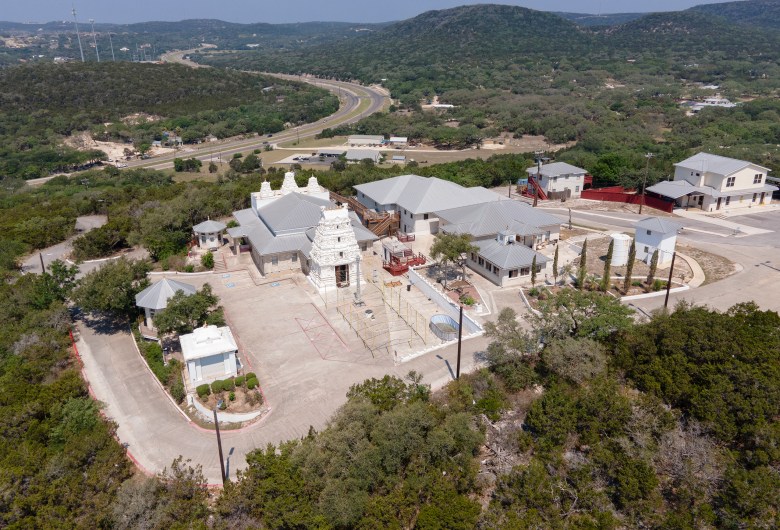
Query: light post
[(94, 38), (460, 341), (648, 156), (569, 218), (669, 282)]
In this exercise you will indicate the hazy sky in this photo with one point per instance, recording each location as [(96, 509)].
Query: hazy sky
[(123, 11)]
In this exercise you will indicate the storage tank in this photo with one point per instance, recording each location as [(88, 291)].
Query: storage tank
[(622, 243)]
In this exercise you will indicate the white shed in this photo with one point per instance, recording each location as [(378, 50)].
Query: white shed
[(656, 233), (210, 354)]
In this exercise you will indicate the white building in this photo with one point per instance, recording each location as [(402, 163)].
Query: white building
[(505, 261), (155, 297), (655, 233), (417, 199), (209, 234), (559, 177), (357, 140), (210, 354), (713, 183), (358, 155), (334, 256), (398, 141)]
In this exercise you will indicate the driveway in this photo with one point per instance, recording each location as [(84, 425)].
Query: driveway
[(305, 369)]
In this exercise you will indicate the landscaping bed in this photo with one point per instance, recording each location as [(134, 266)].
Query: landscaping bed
[(715, 267), (236, 394)]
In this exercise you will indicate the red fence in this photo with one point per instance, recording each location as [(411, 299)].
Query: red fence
[(619, 194)]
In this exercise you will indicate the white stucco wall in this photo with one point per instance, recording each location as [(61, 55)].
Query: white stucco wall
[(213, 367), (646, 244)]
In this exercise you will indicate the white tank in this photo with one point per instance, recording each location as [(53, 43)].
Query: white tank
[(622, 244)]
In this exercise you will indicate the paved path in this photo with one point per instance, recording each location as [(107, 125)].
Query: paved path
[(302, 387)]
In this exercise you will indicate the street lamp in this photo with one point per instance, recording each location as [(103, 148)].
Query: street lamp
[(648, 156), (219, 442)]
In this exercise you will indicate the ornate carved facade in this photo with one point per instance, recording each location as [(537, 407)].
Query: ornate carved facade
[(334, 251)]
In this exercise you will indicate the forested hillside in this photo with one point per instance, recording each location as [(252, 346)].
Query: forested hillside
[(40, 104), (760, 13)]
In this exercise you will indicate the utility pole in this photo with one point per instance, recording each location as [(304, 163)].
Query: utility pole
[(219, 446), (110, 42), (569, 218), (94, 38), (669, 282), (538, 155), (78, 35), (43, 267), (460, 341), (648, 156)]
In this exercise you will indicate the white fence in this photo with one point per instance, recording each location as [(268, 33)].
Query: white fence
[(449, 307)]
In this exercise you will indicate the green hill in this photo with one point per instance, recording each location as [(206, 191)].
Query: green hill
[(759, 13)]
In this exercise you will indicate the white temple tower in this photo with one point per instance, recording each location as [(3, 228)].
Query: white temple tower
[(334, 251), (289, 185)]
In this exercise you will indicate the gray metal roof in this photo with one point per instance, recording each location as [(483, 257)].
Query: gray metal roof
[(377, 137), (156, 296), (236, 231), (508, 257), (674, 189), (556, 169), (720, 165), (489, 218), (337, 152), (657, 224), (293, 212), (207, 227), (425, 194), (362, 154)]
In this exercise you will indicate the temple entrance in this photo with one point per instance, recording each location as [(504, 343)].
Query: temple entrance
[(342, 275)]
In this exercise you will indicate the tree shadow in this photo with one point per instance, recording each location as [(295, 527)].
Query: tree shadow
[(101, 323)]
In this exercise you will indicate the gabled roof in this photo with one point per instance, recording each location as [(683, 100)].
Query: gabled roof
[(156, 296), (720, 165), (425, 194), (292, 212), (489, 218), (555, 169), (657, 224), (512, 256), (674, 189), (207, 227)]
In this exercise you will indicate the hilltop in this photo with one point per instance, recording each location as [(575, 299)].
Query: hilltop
[(758, 13)]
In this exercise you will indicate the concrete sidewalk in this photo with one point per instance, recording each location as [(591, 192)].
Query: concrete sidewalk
[(738, 229)]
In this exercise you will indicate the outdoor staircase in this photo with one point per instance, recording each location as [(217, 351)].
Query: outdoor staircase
[(380, 223), (220, 264), (539, 191)]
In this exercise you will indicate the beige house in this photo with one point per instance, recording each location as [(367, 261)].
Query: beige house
[(713, 183)]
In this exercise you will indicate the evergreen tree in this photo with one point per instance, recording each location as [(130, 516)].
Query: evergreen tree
[(653, 268), (630, 266), (555, 265), (607, 267), (533, 272), (583, 270)]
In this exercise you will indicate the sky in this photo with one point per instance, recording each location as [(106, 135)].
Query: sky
[(275, 11)]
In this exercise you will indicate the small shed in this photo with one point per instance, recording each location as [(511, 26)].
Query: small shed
[(209, 234), (655, 233), (210, 354), (156, 296)]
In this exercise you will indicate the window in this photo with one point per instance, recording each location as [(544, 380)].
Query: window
[(513, 273), (274, 260), (341, 254), (728, 200), (758, 178), (525, 271), (755, 195), (481, 261), (649, 232), (495, 269), (576, 188), (730, 182), (338, 240), (473, 257), (294, 257), (425, 216), (647, 249)]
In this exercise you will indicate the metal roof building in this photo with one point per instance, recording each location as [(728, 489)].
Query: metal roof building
[(156, 296), (487, 219)]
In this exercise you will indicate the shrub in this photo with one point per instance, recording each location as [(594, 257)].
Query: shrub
[(467, 300), (254, 398), (232, 396), (207, 260), (658, 284), (189, 268), (257, 151), (251, 375), (251, 384), (216, 386), (177, 391), (203, 390), (238, 155), (239, 381), (534, 291), (636, 283), (228, 384)]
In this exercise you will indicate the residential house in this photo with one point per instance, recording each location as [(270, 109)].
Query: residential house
[(712, 183), (417, 199), (559, 179)]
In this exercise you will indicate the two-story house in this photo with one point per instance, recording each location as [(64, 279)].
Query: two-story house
[(713, 183), (559, 179)]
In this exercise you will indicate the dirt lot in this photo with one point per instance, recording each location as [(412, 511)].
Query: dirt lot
[(715, 267)]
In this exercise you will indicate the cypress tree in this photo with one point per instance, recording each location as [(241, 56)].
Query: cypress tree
[(653, 267), (555, 264), (583, 270), (533, 272), (607, 267), (630, 266)]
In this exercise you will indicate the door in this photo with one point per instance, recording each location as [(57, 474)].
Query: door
[(717, 206), (342, 275), (762, 197)]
